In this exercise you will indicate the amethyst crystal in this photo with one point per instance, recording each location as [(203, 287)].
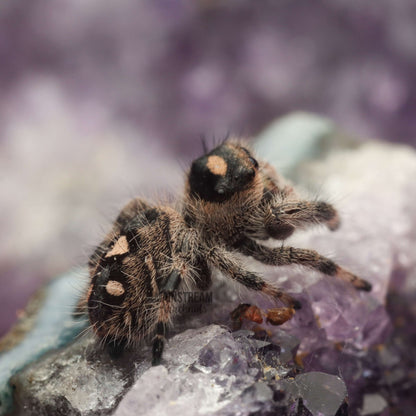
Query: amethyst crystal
[(343, 353)]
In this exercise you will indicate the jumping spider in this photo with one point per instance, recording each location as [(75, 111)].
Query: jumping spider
[(231, 202)]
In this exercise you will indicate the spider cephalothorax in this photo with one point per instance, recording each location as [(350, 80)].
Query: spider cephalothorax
[(231, 202), (220, 174)]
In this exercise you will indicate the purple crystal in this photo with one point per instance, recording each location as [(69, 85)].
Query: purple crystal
[(360, 343)]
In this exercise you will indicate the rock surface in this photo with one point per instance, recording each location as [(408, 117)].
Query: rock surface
[(49, 326), (343, 353), (77, 380)]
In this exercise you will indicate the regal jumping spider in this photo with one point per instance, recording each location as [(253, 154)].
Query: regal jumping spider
[(231, 202)]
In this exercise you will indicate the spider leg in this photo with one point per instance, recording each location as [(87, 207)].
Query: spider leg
[(171, 283), (158, 342), (284, 217), (179, 273), (186, 257), (227, 264), (309, 258), (115, 347), (164, 314), (203, 279)]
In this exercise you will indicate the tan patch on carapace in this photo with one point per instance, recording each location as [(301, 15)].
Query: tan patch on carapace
[(217, 165), (114, 288), (120, 247)]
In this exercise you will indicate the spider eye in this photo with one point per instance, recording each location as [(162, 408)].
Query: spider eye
[(250, 158), (253, 161)]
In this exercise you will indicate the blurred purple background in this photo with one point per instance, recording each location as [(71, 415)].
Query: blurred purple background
[(101, 101)]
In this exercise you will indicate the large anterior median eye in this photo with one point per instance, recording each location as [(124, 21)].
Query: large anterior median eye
[(250, 158), (253, 161)]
